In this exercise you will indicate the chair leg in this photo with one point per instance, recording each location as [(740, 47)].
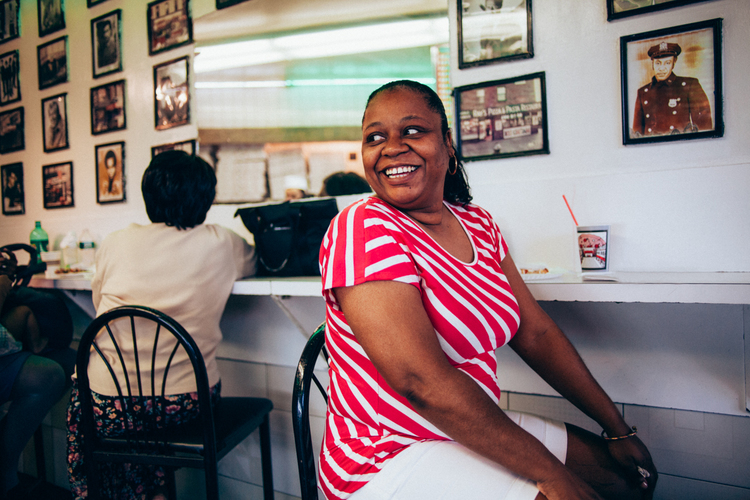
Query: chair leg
[(265, 458)]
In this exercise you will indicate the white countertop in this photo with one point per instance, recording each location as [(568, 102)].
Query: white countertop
[(700, 288)]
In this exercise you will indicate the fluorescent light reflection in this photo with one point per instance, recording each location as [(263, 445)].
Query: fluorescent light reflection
[(356, 40), (260, 84)]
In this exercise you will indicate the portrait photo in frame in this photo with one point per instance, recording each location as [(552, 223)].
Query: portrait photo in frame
[(672, 83), (51, 16), (223, 4), (186, 146), (13, 199), (108, 107), (10, 88), (12, 131), (8, 20), (110, 172), (617, 9), (169, 25), (502, 118), (55, 122), (171, 94), (52, 60), (57, 183), (106, 44), (492, 31)]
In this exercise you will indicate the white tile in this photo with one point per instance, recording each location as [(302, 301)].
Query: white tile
[(690, 420), (674, 487), (280, 385), (242, 378), (552, 407)]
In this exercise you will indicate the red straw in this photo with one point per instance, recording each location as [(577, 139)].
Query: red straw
[(569, 210)]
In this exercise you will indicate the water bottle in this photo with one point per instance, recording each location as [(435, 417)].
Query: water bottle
[(39, 240), (86, 249)]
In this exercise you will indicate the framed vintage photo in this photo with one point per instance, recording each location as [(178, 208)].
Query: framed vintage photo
[(57, 182), (12, 131), (8, 20), (672, 84), (110, 172), (617, 9), (51, 16), (169, 25), (13, 199), (91, 3), (186, 146), (55, 122), (52, 58), (223, 4), (108, 107), (503, 118), (106, 44), (491, 31), (171, 94), (10, 88)]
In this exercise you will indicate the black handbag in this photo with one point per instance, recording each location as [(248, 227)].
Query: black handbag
[(288, 235)]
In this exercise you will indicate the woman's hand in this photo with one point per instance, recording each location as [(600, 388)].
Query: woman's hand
[(636, 461), (566, 486)]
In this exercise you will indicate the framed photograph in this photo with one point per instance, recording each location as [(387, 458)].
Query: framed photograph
[(8, 20), (55, 122), (108, 107), (10, 89), (186, 146), (52, 58), (672, 84), (11, 131), (624, 8), (491, 31), (169, 25), (51, 16), (13, 200), (502, 118), (57, 182), (91, 3), (171, 94), (106, 45), (223, 4), (110, 172), (593, 248)]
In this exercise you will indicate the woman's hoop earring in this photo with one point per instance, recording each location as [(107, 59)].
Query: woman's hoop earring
[(455, 166)]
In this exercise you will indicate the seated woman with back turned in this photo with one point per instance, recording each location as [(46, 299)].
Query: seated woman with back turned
[(420, 290), (179, 266)]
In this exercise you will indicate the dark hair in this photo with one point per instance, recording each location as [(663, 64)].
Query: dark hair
[(178, 189), (110, 154), (456, 189), (341, 183)]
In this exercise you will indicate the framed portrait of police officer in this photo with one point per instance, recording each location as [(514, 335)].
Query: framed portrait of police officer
[(672, 84), (491, 31), (106, 51)]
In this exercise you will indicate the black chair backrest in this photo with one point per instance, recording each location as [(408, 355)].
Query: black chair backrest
[(142, 435), (301, 411), (24, 272)]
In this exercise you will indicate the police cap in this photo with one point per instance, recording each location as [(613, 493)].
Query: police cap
[(664, 49)]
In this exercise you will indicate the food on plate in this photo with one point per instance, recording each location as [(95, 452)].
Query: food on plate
[(536, 270), (60, 270)]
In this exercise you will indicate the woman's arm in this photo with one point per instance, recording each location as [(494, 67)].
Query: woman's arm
[(389, 321)]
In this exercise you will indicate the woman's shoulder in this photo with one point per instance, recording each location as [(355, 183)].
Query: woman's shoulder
[(472, 212)]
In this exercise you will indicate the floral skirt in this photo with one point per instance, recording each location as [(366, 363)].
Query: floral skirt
[(125, 481)]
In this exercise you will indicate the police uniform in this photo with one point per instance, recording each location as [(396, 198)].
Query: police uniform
[(675, 105)]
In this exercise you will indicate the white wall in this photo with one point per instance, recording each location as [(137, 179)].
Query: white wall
[(678, 206)]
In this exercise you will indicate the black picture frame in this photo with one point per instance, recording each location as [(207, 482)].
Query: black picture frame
[(52, 62), (51, 16), (10, 86), (91, 3), (12, 134), (9, 27), (172, 94), (110, 172), (492, 34), (169, 25), (502, 118), (688, 103), (108, 108), (13, 193), (223, 4), (617, 9), (57, 185), (55, 123), (186, 146), (106, 44)]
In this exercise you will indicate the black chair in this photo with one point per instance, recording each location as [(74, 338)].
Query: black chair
[(301, 411), (198, 445)]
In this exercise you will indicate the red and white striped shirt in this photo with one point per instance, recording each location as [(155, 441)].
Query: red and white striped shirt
[(471, 306)]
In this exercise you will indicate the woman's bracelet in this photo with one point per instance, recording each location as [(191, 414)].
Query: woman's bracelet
[(624, 436)]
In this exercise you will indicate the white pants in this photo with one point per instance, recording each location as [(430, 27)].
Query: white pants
[(434, 470)]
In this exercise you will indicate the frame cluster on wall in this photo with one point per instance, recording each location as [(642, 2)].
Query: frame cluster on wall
[(665, 97), (169, 25)]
